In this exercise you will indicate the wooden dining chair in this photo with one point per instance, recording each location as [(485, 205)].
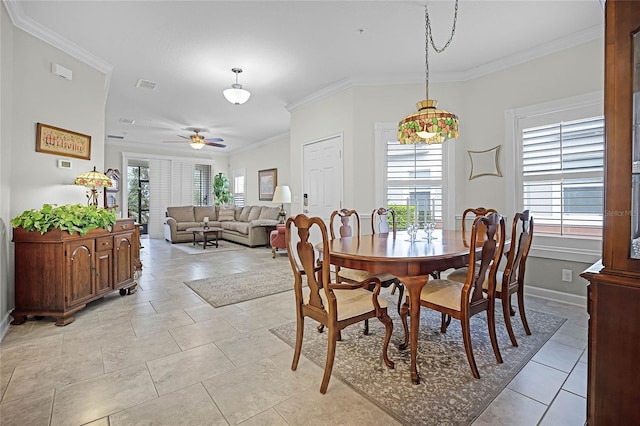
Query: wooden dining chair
[(511, 280), (460, 274), (333, 305), (461, 301), (342, 220), (380, 219)]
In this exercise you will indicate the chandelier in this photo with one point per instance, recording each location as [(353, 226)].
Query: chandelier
[(430, 125)]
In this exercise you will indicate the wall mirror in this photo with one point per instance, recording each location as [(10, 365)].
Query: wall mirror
[(485, 163)]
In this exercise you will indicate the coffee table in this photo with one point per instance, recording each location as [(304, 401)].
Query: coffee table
[(205, 233)]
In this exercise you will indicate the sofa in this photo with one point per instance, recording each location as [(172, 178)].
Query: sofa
[(249, 225)]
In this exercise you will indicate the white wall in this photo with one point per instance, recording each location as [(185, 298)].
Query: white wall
[(326, 117), (6, 98), (41, 97), (271, 154)]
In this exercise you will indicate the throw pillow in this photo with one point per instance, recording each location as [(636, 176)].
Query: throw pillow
[(270, 213), (244, 215), (205, 211), (227, 214), (255, 213)]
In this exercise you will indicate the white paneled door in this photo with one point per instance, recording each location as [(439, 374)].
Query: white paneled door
[(322, 176)]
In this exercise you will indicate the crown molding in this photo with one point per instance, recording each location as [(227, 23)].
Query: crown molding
[(267, 141), (320, 94), (20, 20)]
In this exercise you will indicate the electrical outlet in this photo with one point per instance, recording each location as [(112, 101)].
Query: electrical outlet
[(567, 275)]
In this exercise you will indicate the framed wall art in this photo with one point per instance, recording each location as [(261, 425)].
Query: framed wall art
[(267, 181), (485, 163), (57, 141)]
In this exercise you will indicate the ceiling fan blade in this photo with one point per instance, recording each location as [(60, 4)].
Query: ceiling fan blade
[(214, 139), (184, 137), (174, 142), (217, 145)]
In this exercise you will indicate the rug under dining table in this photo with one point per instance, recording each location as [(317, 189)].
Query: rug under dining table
[(447, 394)]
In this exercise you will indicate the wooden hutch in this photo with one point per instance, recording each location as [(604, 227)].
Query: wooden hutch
[(57, 273), (614, 289)]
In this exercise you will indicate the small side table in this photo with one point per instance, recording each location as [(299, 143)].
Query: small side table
[(205, 233)]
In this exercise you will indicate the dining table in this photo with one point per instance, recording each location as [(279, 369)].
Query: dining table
[(411, 261)]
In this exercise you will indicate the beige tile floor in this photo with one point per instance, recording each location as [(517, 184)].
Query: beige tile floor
[(162, 356)]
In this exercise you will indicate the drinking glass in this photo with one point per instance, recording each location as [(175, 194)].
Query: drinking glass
[(429, 227)]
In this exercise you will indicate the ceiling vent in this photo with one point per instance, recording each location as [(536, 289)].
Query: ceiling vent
[(146, 84), (115, 137), (127, 121)]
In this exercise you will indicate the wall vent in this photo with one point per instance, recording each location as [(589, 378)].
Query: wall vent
[(126, 121), (146, 84), (115, 137)]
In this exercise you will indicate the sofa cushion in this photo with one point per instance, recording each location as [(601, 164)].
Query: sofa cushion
[(244, 216), (269, 213), (227, 214), (242, 227), (181, 214), (255, 213), (183, 226), (205, 211)]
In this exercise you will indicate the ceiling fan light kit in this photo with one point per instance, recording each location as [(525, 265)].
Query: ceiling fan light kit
[(236, 94), (197, 141)]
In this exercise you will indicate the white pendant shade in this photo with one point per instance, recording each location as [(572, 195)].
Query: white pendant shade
[(197, 145), (236, 96)]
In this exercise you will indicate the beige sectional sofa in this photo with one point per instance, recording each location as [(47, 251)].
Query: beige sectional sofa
[(245, 225)]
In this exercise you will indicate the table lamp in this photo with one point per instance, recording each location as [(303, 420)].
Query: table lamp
[(93, 180), (282, 195)]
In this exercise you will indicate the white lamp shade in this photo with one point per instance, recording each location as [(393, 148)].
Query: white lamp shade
[(282, 195), (236, 96), (196, 145)]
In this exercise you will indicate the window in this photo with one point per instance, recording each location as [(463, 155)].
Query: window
[(414, 174), (238, 188), (201, 185), (562, 176)]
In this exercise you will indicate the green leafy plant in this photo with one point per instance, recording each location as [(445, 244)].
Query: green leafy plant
[(71, 218), (221, 190)]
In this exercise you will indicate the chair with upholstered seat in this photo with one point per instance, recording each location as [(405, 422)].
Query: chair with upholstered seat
[(277, 240), (333, 305), (380, 219), (461, 301), (345, 229), (460, 274)]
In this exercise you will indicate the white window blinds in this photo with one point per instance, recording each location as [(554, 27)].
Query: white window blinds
[(562, 175), (414, 173), (239, 188)]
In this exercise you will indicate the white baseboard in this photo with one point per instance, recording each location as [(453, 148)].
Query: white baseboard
[(558, 296), (4, 325)]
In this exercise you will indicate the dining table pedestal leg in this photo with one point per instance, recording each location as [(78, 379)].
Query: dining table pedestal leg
[(414, 286)]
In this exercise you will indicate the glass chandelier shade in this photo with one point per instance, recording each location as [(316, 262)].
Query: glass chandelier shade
[(93, 180), (429, 125), (196, 145), (236, 94)]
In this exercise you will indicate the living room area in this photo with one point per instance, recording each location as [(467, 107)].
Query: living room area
[(208, 335)]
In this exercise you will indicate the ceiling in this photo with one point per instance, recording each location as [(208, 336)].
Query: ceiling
[(290, 51)]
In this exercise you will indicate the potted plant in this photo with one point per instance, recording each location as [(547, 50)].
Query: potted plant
[(221, 190), (71, 218)]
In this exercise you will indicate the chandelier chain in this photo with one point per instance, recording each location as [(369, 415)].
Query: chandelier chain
[(428, 35)]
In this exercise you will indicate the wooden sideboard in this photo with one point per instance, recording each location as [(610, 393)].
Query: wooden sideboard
[(57, 273)]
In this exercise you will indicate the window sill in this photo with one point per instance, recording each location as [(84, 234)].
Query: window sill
[(569, 249)]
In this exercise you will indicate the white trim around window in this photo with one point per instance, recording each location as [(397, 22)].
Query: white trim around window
[(552, 247)]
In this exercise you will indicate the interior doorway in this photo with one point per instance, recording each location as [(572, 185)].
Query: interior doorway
[(138, 196)]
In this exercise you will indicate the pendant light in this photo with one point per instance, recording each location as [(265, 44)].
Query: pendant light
[(236, 94), (430, 125)]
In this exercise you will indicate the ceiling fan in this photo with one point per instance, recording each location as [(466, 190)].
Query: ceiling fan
[(197, 141)]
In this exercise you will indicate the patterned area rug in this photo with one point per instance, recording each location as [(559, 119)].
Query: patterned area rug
[(448, 394), (223, 246), (235, 288)]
